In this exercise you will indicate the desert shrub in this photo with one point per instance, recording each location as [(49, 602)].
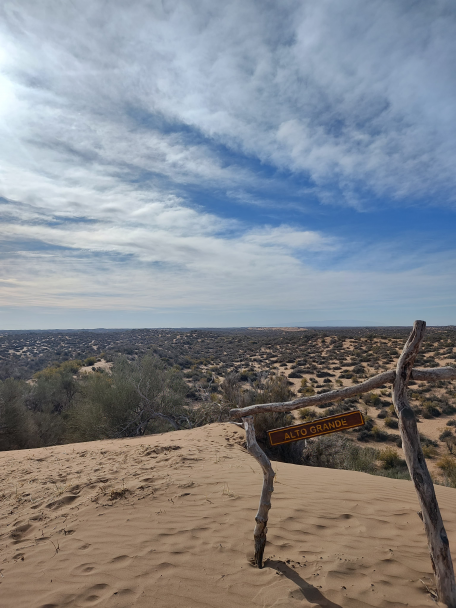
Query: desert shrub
[(430, 410), (372, 399), (336, 451), (274, 389), (289, 452), (391, 423), (34, 415), (371, 432), (270, 420), (307, 391), (451, 422), (396, 473), (90, 361), (138, 398), (424, 440), (446, 433), (231, 390), (429, 451), (448, 409), (71, 367), (390, 458), (447, 464), (339, 408), (392, 465), (306, 413), (247, 375), (346, 375), (55, 388), (17, 428), (209, 412), (358, 369), (379, 435), (269, 389), (97, 411), (450, 442)]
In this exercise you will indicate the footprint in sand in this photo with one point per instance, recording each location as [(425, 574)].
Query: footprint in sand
[(120, 559), (19, 532), (83, 569), (61, 502), (93, 595)]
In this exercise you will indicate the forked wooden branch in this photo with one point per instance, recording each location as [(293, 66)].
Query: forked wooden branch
[(261, 518), (438, 544), (430, 513), (430, 375)]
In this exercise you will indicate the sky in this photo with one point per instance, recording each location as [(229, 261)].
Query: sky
[(208, 164)]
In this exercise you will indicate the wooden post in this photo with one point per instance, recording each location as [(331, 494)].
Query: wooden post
[(435, 531), (261, 518), (430, 513)]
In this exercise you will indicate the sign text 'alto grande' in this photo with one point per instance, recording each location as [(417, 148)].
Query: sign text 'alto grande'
[(323, 426)]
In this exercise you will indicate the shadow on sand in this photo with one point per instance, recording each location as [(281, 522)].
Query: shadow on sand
[(309, 592)]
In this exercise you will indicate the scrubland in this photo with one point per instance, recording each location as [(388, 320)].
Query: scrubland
[(103, 384), (124, 484)]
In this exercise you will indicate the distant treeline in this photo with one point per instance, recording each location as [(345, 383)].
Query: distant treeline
[(22, 354)]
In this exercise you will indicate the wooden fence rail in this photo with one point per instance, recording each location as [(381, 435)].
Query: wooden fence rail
[(429, 375), (438, 544)]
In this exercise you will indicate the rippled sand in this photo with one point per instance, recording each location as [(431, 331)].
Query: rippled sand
[(167, 522)]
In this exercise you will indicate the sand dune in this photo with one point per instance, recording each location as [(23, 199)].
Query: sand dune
[(166, 522)]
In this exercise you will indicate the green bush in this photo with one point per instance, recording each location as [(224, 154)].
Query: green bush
[(337, 451), (132, 401), (391, 423), (17, 428), (447, 464), (446, 434), (390, 458), (430, 410), (307, 414), (429, 451), (372, 399), (392, 465)]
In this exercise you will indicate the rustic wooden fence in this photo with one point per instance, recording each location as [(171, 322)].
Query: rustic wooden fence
[(437, 538)]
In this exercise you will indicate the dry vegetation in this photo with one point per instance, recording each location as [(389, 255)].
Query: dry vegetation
[(75, 386)]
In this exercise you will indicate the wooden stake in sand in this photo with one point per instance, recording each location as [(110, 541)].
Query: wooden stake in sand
[(261, 518), (437, 538), (438, 544)]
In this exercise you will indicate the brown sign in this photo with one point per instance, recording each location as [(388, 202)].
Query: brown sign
[(323, 426)]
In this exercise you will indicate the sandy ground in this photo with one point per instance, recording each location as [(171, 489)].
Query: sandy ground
[(166, 521)]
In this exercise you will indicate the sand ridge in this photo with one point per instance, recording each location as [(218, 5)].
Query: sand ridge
[(167, 521)]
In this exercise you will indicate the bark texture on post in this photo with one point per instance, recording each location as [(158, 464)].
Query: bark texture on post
[(261, 518), (436, 535)]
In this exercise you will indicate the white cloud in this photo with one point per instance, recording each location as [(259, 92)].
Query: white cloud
[(346, 93), (111, 115)]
